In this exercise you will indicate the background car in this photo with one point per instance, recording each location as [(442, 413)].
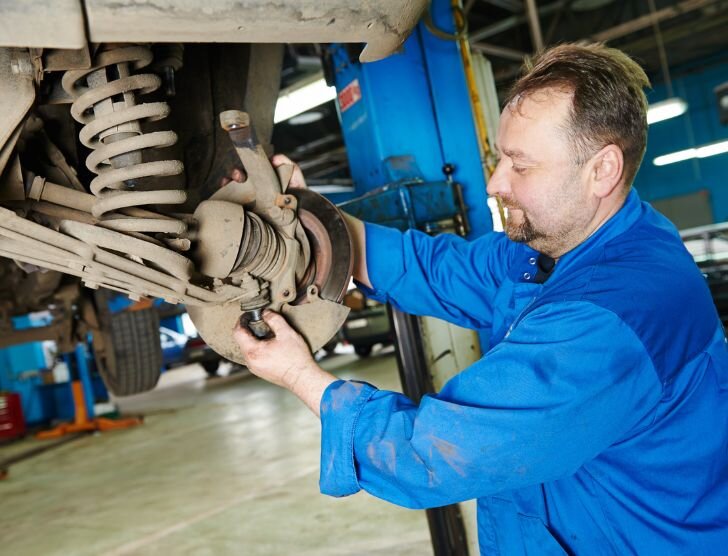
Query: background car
[(368, 323)]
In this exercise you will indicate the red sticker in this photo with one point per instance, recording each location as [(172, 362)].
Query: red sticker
[(349, 95)]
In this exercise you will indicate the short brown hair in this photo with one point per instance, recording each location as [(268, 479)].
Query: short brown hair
[(608, 101)]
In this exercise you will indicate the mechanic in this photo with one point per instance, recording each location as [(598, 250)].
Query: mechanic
[(597, 420)]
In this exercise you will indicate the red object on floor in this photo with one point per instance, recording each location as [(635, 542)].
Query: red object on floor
[(12, 423)]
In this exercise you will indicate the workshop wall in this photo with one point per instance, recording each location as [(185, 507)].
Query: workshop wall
[(698, 126)]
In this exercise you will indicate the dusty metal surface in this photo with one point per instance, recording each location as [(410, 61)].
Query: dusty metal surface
[(284, 241), (383, 24), (253, 244), (112, 129), (43, 24), (17, 94)]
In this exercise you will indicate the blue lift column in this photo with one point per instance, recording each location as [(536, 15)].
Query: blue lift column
[(408, 120), (415, 104)]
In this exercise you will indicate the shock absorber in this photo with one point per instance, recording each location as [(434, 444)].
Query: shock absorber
[(105, 102)]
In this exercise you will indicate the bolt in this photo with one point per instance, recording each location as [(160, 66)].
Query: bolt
[(287, 201), (256, 315), (286, 294), (20, 63), (234, 119)]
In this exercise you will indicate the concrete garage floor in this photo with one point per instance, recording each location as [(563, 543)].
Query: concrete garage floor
[(224, 466)]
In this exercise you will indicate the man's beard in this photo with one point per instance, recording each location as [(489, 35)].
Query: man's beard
[(524, 232)]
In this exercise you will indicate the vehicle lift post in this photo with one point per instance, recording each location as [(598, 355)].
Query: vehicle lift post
[(84, 420)]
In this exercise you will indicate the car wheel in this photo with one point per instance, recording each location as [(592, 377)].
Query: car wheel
[(363, 351), (133, 361)]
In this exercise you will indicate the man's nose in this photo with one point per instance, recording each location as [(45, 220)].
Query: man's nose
[(498, 183)]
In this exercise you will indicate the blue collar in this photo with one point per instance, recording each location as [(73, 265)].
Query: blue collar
[(626, 217), (630, 212)]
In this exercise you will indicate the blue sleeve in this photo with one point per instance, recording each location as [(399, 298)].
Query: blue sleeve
[(570, 380), (445, 276)]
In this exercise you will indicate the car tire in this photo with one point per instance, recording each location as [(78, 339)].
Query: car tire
[(363, 351), (133, 360)]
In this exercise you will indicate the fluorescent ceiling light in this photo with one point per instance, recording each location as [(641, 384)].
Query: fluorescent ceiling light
[(705, 151), (666, 109), (303, 96), (306, 118)]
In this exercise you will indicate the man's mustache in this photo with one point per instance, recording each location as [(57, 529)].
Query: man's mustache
[(510, 204)]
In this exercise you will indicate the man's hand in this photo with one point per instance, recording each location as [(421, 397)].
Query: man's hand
[(284, 360), (279, 359), (297, 180)]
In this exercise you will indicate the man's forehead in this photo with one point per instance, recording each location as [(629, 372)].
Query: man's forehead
[(536, 128), (556, 96), (545, 107), (512, 152)]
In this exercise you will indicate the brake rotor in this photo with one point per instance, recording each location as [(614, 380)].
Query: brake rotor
[(331, 249), (316, 313)]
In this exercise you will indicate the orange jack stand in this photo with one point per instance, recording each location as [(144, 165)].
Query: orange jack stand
[(81, 422)]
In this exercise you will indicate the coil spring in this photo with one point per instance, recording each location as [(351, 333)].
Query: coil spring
[(112, 130)]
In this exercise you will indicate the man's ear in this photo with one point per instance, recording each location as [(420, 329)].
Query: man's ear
[(606, 170)]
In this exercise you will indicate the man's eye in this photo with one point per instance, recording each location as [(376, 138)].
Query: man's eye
[(519, 169)]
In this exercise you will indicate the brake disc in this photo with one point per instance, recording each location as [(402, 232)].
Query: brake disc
[(316, 312)]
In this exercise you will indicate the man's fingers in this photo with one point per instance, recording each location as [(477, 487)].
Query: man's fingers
[(297, 180), (276, 322), (236, 175), (279, 159), (243, 336)]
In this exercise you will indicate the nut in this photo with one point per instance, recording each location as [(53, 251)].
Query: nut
[(20, 63), (234, 119)]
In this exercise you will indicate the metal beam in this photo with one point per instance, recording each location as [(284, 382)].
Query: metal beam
[(515, 6), (634, 25), (510, 22), (676, 33), (534, 25), (498, 51)]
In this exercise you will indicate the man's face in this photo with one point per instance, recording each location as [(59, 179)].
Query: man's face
[(537, 179)]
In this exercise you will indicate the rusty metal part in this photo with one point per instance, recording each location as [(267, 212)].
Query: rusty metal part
[(278, 268), (58, 24), (131, 220), (236, 192), (112, 129), (220, 228), (330, 243), (16, 98), (257, 247), (317, 320), (253, 319), (57, 59), (255, 161), (383, 24), (173, 263), (296, 245), (32, 243)]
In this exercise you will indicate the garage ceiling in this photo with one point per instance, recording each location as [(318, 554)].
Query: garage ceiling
[(693, 31)]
